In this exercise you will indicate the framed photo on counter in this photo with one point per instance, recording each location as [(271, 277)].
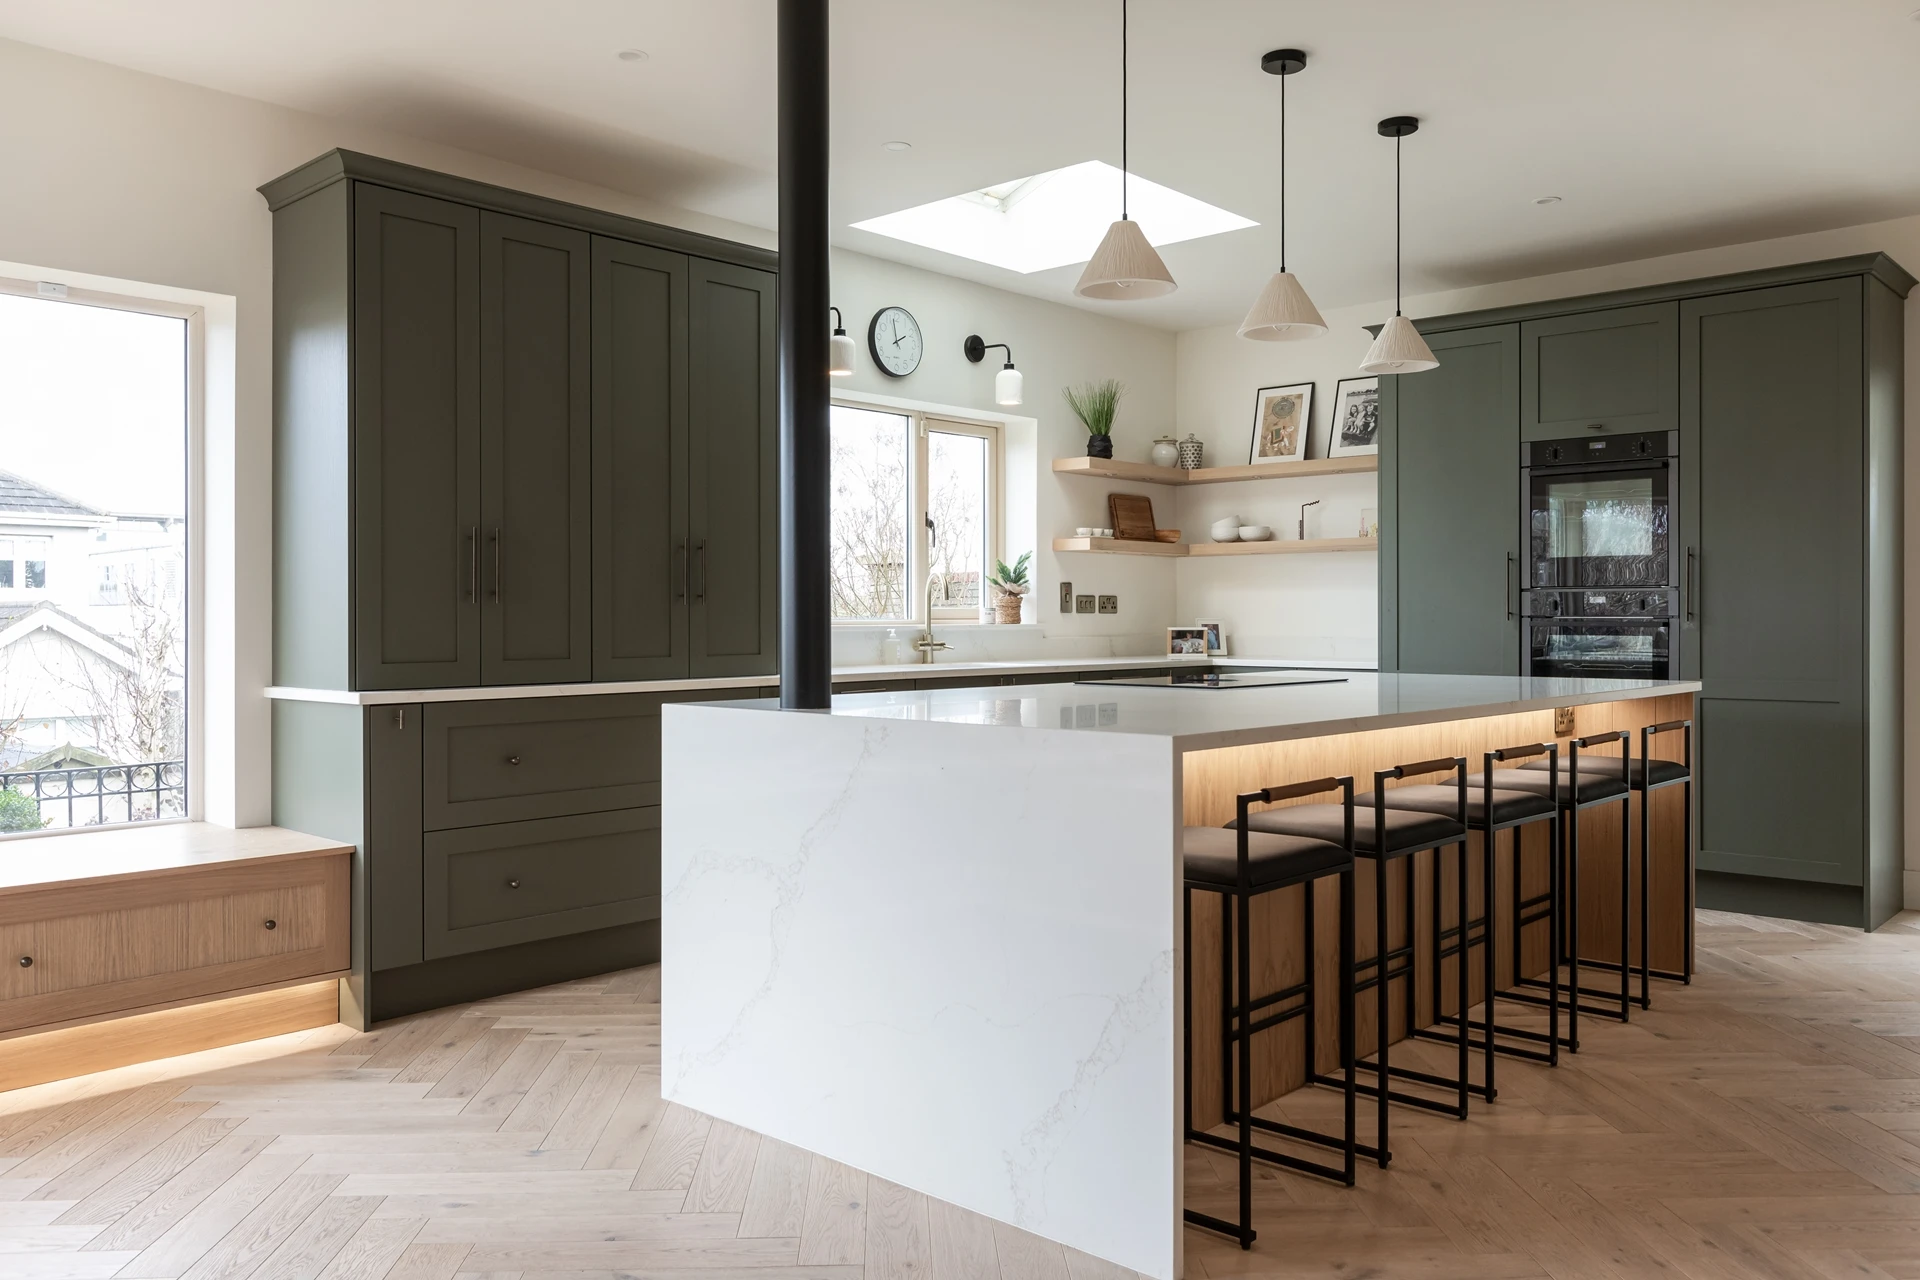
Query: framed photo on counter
[(1216, 637), (1282, 421), (1356, 418), (1184, 642)]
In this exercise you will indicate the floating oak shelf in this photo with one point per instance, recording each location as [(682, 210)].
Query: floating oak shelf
[(1128, 547), (1147, 473)]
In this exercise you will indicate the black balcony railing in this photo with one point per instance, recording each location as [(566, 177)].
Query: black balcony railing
[(103, 794)]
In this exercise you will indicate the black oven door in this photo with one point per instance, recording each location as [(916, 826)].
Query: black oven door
[(1599, 527), (1600, 648)]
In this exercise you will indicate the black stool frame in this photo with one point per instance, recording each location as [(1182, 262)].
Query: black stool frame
[(1382, 962), (1568, 856), (1238, 1025), (1545, 907)]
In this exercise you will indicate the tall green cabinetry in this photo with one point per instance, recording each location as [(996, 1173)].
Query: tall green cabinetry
[(517, 442), (1786, 389)]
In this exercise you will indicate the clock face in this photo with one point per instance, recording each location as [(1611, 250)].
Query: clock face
[(894, 341)]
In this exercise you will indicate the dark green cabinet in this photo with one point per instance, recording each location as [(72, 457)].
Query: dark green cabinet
[(1600, 372), (732, 471), (1449, 468), (535, 452), (1775, 527), (416, 426), (640, 553)]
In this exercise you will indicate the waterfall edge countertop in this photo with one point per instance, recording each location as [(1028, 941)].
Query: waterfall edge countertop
[(1198, 719), (936, 934)]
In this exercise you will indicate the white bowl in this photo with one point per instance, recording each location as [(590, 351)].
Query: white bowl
[(1083, 533), (1227, 530), (1255, 533)]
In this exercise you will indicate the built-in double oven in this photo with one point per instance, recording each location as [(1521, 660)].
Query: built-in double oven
[(1602, 576)]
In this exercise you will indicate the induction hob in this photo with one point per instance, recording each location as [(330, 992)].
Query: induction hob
[(1221, 680)]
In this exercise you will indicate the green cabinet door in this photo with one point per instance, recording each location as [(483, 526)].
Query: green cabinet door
[(1450, 509), (640, 552), (1600, 372), (535, 452), (416, 437), (732, 471), (1772, 611)]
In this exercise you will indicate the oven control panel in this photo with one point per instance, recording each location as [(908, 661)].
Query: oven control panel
[(1589, 450), (1592, 602)]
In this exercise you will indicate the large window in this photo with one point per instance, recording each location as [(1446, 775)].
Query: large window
[(93, 563), (915, 505)]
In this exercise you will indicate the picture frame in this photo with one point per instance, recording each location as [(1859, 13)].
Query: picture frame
[(1355, 428), (1282, 422), (1216, 637), (1186, 642)]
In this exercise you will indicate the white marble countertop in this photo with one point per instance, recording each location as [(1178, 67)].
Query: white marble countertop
[(1197, 719), (841, 675)]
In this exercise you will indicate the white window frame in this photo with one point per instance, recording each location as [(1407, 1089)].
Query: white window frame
[(195, 355), (920, 423)]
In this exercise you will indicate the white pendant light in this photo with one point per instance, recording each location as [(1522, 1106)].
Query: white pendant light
[(839, 348), (1283, 312), (1125, 266), (1399, 348), (1007, 382)]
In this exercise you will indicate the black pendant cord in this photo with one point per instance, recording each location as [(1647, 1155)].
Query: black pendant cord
[(1123, 110), (1283, 173), (1396, 226)]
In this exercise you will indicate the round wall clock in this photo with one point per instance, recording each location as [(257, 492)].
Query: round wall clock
[(894, 341)]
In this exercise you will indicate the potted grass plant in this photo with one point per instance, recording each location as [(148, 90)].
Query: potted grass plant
[(1094, 404), (1009, 586)]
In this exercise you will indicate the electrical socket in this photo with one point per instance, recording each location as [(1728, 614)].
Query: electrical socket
[(1066, 597), (1083, 604), (1109, 604)]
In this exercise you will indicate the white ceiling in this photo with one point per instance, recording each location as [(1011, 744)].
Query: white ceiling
[(1666, 125)]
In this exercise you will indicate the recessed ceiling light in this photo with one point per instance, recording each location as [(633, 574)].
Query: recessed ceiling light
[(632, 55), (898, 146), (1050, 219), (1546, 199)]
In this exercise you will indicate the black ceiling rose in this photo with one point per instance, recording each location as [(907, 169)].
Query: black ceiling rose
[(1399, 126), (1283, 62)]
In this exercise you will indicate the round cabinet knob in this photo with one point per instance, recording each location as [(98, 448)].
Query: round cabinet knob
[(513, 759), (513, 884), (26, 962), (273, 924)]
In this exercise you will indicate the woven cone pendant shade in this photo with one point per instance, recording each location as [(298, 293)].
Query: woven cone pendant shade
[(1399, 349), (1283, 312), (1125, 266)]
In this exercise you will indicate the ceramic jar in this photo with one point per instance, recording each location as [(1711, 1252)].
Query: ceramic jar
[(1166, 452), (1189, 451)]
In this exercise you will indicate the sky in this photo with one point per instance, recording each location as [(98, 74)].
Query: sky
[(93, 403)]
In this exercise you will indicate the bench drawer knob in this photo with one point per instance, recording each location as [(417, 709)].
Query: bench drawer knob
[(273, 924), (26, 962)]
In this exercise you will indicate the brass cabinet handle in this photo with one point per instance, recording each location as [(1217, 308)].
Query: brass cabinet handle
[(273, 924), (26, 962), (513, 884)]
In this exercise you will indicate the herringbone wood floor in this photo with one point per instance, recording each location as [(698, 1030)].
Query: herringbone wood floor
[(1763, 1123)]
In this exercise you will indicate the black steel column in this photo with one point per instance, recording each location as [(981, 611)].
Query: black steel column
[(806, 637)]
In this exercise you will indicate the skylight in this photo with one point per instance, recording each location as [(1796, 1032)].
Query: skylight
[(1052, 219)]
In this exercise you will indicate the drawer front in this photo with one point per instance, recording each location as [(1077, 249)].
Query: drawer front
[(521, 759), (125, 945), (521, 881)]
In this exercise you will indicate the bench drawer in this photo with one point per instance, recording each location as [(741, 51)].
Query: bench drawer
[(518, 882), (527, 758)]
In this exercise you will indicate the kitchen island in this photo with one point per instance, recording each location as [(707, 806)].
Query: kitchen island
[(936, 934)]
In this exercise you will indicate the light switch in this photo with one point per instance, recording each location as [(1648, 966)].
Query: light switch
[(1083, 604), (1066, 597)]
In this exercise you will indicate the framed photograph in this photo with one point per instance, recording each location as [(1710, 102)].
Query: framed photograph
[(1356, 418), (1183, 642), (1216, 636), (1282, 420)]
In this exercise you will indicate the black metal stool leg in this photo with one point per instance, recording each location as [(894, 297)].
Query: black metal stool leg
[(1244, 950), (1554, 891), (1347, 1012), (1380, 1000), (1489, 843), (1646, 891), (1570, 885)]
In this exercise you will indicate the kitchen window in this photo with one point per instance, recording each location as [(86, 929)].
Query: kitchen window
[(93, 560), (916, 502)]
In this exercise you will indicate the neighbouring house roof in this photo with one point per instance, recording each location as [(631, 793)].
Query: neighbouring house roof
[(20, 620), (19, 494)]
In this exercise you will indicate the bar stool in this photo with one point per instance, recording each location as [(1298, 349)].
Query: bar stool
[(1240, 864), (1577, 784), (1387, 835), (1491, 811), (1647, 774)]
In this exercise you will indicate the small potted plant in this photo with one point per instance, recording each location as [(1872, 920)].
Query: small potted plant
[(1094, 405), (1009, 585)]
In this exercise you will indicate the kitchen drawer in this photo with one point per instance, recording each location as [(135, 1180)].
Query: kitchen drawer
[(521, 881), (141, 941), (526, 758)]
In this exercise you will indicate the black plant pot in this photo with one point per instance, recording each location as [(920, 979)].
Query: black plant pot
[(1099, 446)]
